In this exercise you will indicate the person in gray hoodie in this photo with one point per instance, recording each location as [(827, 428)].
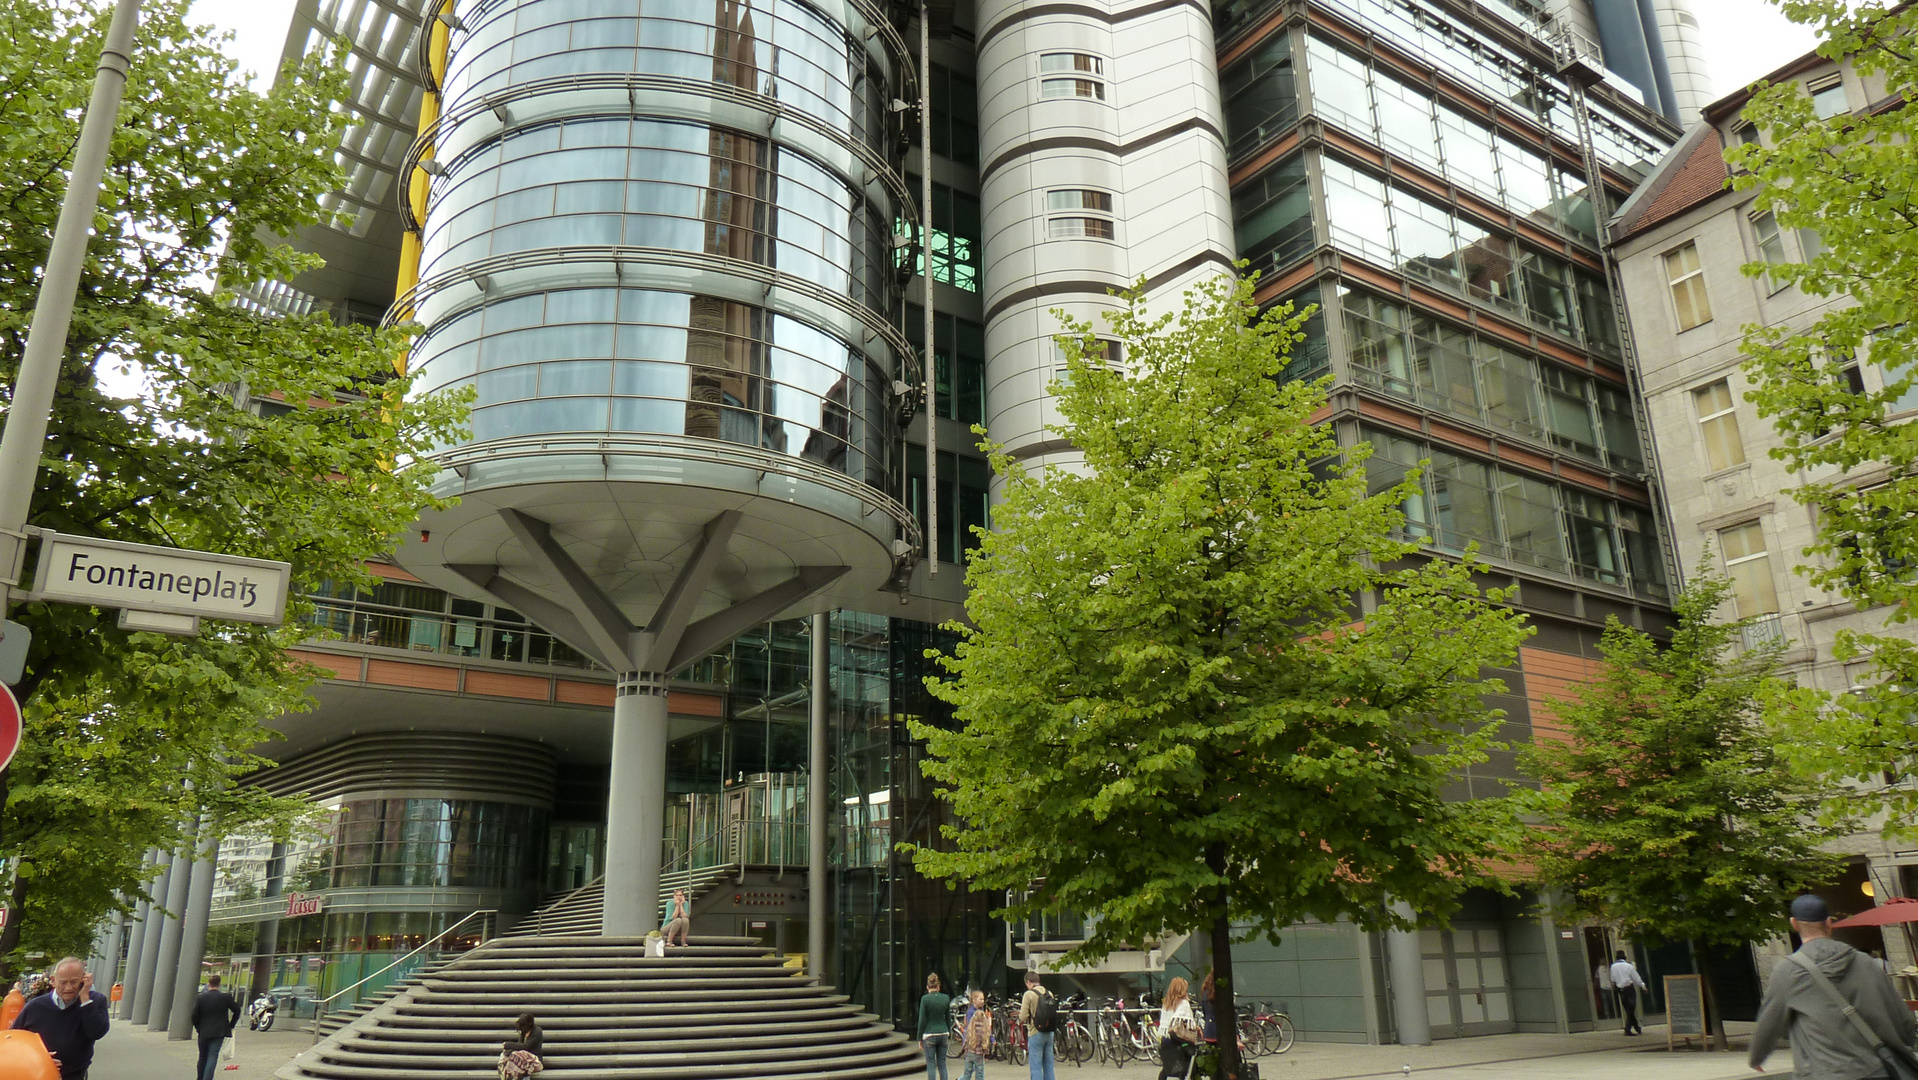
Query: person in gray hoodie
[(1824, 1044)]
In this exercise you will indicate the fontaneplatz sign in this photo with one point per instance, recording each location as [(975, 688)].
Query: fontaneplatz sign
[(143, 577)]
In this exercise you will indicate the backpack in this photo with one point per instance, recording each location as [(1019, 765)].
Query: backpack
[(1045, 1013)]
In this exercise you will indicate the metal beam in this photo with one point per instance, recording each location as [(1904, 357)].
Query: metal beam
[(550, 617), (596, 614), (715, 630), (676, 610)]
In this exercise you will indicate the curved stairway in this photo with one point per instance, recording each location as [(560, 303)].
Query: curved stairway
[(577, 913), (717, 1009)]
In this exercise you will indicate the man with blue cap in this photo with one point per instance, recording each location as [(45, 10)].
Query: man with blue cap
[(1834, 1003)]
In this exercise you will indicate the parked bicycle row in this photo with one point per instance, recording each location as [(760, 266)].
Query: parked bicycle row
[(981, 1026)]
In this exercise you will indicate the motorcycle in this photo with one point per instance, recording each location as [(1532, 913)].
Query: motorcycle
[(259, 1015)]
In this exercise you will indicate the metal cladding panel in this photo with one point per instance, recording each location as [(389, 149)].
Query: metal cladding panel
[(1101, 138)]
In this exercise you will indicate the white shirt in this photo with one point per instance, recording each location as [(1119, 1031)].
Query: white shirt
[(1625, 976), (1181, 1011)]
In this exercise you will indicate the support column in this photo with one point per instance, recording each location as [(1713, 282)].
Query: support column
[(1407, 969), (136, 944), (104, 965), (635, 806), (150, 937), (199, 909), (816, 806), (1554, 964), (167, 964)]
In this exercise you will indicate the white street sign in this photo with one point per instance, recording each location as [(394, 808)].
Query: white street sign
[(144, 577)]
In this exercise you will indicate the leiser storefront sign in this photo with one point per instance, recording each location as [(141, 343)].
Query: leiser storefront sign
[(298, 904)]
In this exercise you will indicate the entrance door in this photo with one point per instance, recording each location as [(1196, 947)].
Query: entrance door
[(1466, 991)]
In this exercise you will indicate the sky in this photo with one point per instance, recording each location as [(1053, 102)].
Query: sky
[(1744, 39)]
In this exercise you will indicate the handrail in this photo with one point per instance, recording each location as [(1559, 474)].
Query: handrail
[(319, 1007)]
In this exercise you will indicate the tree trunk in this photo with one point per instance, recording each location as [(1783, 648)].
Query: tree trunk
[(1714, 1023), (10, 937), (1225, 1013)]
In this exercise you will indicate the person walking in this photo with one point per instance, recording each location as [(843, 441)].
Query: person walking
[(1039, 1011), (935, 1023), (521, 1057), (69, 1020), (1835, 1004), (1626, 983), (975, 1037), (214, 1014), (679, 917), (1178, 1030)]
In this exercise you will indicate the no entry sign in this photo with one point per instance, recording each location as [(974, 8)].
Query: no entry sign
[(9, 725)]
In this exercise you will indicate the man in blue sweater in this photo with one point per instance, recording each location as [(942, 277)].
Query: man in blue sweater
[(69, 1020)]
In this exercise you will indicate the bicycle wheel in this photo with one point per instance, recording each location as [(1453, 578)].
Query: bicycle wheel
[(1016, 1043), (1152, 1049), (1078, 1044), (1279, 1035), (1251, 1038), (956, 1042)]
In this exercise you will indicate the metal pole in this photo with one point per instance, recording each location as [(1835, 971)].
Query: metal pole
[(26, 429), (816, 800), (925, 232)]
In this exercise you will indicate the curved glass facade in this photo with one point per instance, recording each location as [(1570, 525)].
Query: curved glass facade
[(658, 347), (788, 51), (449, 843), (638, 360)]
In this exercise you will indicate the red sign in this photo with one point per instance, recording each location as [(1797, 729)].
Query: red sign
[(298, 904), (9, 725)]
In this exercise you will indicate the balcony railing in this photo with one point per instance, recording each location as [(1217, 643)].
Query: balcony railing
[(445, 635)]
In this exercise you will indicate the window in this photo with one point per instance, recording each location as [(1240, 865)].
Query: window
[(1747, 134), (963, 499), (1064, 211), (1107, 352), (956, 230), (1749, 566), (959, 362), (1829, 100), (1687, 278), (1719, 424), (955, 115), (1771, 244), (1072, 75)]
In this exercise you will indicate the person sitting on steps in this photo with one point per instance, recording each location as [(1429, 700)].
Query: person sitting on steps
[(678, 918)]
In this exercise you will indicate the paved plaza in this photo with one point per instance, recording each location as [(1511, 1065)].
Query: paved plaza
[(129, 1054)]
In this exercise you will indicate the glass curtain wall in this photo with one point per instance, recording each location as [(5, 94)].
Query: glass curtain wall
[(1516, 518), (1425, 360)]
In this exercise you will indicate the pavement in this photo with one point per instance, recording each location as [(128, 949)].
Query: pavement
[(128, 1053)]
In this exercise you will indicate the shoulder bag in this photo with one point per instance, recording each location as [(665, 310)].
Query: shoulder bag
[(1899, 1062)]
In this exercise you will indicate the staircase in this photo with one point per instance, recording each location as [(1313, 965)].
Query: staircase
[(339, 1018), (717, 1009), (577, 913)]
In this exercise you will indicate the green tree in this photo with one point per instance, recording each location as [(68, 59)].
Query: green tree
[(1846, 179), (204, 175), (1207, 687), (1666, 809)]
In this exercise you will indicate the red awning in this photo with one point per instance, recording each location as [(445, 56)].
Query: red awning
[(1898, 909)]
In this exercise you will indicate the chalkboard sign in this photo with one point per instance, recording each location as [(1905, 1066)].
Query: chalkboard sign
[(1684, 1008)]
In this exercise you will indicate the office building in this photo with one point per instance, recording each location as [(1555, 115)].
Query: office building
[(672, 247)]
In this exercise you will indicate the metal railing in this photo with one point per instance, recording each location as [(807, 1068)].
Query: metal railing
[(325, 1005), (471, 637)]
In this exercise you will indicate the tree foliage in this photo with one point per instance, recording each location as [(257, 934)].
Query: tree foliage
[(1665, 809), (203, 175), (1207, 686), (1847, 179)]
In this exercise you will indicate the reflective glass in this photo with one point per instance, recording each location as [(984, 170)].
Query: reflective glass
[(1340, 90), (1355, 208)]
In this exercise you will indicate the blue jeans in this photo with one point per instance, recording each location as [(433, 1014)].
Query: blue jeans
[(1039, 1055), (209, 1057), (935, 1053), (975, 1066)]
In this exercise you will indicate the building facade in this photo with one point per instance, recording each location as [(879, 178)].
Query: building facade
[(1681, 244), (675, 250)]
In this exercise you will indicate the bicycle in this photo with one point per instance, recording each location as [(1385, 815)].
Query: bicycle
[(1075, 1040), (1276, 1033)]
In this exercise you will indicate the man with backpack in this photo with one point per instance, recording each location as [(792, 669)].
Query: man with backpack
[(1845, 1019), (1040, 1012)]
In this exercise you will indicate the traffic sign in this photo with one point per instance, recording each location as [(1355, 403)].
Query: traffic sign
[(149, 578), (9, 728)]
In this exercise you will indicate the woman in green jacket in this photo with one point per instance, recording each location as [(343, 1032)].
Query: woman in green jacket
[(935, 1021)]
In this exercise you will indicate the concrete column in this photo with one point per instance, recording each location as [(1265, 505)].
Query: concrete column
[(635, 806), (105, 965), (167, 964), (199, 908), (136, 943), (1406, 966), (816, 808), (1554, 965), (150, 937)]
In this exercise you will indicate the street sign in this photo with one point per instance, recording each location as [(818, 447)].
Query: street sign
[(146, 577), (9, 733)]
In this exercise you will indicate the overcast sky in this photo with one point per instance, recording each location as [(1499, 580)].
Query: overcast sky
[(1744, 39)]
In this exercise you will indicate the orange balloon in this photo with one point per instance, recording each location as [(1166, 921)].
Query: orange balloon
[(24, 1057), (10, 1008)]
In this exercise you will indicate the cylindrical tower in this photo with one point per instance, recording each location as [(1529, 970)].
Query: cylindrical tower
[(658, 241), (1103, 161)]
